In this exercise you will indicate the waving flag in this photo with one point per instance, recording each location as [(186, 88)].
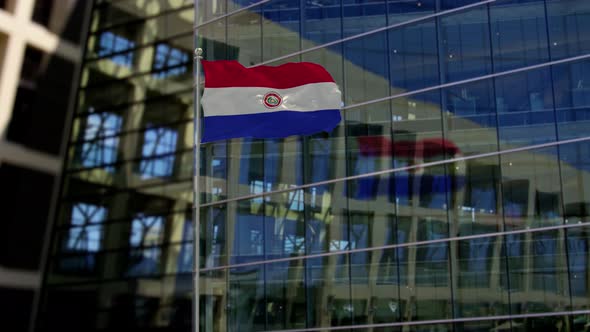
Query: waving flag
[(267, 102)]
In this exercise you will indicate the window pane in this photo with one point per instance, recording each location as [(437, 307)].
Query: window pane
[(321, 22), (478, 263), (568, 24), (519, 33), (362, 16), (531, 189), (365, 69), (471, 117), (244, 32), (280, 28), (401, 11), (572, 98), (575, 164), (465, 45), (413, 57), (537, 274), (525, 109)]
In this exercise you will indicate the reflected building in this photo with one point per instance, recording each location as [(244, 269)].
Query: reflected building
[(473, 115), (40, 54)]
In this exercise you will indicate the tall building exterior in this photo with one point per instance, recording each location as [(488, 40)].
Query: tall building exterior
[(453, 196), (40, 52)]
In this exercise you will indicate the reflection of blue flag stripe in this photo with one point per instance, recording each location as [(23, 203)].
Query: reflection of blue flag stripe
[(400, 185)]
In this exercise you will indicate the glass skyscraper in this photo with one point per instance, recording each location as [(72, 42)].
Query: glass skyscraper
[(453, 196)]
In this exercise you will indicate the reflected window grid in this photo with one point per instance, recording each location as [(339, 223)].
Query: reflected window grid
[(110, 42), (157, 142)]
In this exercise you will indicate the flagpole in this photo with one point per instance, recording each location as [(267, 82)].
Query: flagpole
[(196, 191)]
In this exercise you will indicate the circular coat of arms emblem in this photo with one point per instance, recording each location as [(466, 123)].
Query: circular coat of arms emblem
[(272, 100)]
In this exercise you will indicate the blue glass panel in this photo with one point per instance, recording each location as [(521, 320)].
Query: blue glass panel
[(525, 108), (477, 293), (280, 28), (365, 68), (572, 98), (569, 24), (251, 171), (519, 34), (404, 10), (471, 117), (244, 31), (413, 57), (578, 254), (248, 233), (538, 274), (451, 4), (321, 22), (284, 225), (362, 16), (465, 45), (146, 234), (328, 283), (430, 297), (214, 236), (476, 196), (214, 169)]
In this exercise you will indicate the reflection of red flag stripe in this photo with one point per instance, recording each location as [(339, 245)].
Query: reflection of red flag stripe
[(428, 147)]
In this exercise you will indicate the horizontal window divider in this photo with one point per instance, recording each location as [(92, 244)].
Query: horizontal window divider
[(124, 220), (102, 281), (440, 321), (109, 191), (122, 249), (237, 11), (398, 169), (105, 309), (343, 40), (470, 80), (123, 106), (137, 47), (139, 74), (73, 143), (132, 160), (425, 17), (138, 20), (395, 246)]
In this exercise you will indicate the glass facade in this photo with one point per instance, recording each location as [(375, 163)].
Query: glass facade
[(454, 195)]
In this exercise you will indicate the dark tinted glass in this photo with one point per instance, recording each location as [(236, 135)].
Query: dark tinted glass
[(456, 226)]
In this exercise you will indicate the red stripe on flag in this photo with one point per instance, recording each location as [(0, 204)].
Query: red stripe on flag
[(225, 74)]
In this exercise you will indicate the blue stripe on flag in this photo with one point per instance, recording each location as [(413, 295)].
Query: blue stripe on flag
[(274, 124)]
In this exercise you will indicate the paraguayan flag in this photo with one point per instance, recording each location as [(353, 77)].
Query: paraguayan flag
[(266, 101)]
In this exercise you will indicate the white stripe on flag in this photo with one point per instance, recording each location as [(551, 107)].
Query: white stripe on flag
[(249, 100)]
